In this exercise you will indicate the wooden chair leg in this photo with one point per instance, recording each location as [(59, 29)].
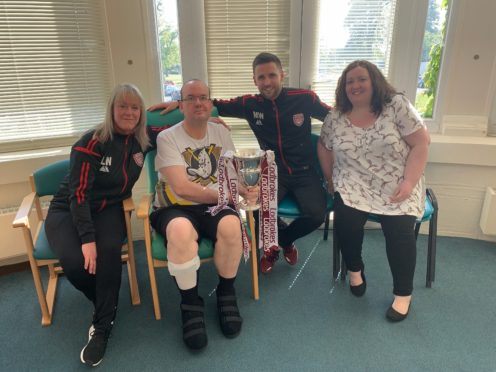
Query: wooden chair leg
[(51, 289), (153, 286), (151, 270), (130, 261), (46, 311), (131, 270), (254, 260)]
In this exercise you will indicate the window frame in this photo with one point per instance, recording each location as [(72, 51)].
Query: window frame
[(410, 22)]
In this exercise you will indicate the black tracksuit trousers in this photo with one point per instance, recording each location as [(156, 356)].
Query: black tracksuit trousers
[(103, 287)]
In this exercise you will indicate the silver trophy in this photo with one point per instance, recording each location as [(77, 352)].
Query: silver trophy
[(248, 166)]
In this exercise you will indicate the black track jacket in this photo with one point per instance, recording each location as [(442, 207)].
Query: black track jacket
[(282, 125), (101, 174)]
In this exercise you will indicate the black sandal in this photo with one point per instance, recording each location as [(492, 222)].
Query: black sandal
[(194, 332), (229, 317)]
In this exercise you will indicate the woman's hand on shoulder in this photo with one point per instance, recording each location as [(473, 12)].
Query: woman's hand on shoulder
[(89, 254), (164, 106)]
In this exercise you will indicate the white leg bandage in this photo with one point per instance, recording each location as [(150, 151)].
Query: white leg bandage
[(185, 273)]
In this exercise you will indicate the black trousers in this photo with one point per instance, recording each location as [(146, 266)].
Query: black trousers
[(306, 187), (401, 246), (102, 288)]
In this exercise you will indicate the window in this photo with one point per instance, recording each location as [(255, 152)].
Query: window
[(55, 71), (350, 30), (321, 39), (405, 39), (432, 50), (170, 56), (235, 33)]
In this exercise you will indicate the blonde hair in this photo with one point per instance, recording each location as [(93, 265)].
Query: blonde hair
[(105, 131)]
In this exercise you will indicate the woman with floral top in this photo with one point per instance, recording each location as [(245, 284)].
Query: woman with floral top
[(373, 150)]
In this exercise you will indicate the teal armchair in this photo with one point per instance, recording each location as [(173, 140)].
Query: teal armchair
[(45, 182), (430, 215), (156, 254)]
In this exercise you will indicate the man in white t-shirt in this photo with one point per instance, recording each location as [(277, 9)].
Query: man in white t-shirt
[(187, 159)]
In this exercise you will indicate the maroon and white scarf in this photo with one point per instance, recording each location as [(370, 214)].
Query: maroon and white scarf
[(227, 179)]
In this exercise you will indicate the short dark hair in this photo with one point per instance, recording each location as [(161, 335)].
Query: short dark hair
[(266, 57), (382, 91)]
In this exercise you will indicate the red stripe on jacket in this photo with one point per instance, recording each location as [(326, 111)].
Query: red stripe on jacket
[(83, 182), (124, 173), (91, 145), (309, 92), (86, 151)]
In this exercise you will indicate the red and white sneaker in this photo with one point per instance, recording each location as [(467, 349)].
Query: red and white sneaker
[(268, 260), (290, 253)]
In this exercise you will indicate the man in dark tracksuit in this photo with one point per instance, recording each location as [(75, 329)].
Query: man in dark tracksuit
[(281, 120)]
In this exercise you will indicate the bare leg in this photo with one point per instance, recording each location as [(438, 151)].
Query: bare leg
[(228, 247), (182, 245)]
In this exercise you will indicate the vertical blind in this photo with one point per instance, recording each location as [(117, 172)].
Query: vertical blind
[(236, 31), (350, 30), (54, 78)]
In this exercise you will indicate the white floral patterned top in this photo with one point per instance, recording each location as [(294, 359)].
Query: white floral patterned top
[(369, 162)]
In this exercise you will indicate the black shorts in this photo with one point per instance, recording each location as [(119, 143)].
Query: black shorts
[(203, 222)]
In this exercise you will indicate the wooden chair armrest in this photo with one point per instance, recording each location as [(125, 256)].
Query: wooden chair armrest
[(128, 205), (22, 216), (144, 206)]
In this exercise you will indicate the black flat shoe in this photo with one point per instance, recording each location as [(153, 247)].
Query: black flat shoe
[(359, 290), (394, 316)]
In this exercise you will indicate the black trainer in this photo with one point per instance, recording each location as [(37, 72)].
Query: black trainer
[(92, 354)]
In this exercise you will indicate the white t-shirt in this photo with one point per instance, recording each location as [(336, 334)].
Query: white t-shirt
[(199, 157), (369, 162)]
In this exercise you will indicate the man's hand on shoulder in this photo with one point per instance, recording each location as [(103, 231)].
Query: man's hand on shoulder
[(164, 106)]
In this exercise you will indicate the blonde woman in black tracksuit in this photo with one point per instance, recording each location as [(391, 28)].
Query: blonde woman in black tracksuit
[(85, 224)]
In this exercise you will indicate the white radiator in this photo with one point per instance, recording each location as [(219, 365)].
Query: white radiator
[(488, 214), (12, 248)]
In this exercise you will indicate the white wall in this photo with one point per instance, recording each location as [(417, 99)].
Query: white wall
[(459, 168)]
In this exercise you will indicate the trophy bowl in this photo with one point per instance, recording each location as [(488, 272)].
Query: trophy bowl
[(248, 168)]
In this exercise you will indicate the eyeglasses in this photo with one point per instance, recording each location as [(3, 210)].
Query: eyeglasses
[(193, 99)]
